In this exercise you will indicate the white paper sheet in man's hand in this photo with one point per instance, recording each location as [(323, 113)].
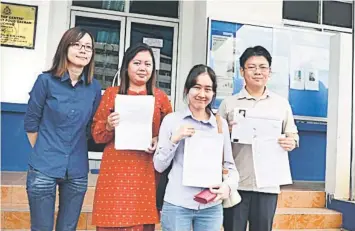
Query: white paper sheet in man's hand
[(249, 124), (271, 163)]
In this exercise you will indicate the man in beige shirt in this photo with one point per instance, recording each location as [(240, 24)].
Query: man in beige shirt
[(258, 205)]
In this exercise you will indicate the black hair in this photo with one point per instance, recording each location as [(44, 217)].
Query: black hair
[(130, 53), (255, 51), (192, 79)]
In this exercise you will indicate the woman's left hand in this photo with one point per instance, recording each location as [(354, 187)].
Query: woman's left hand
[(222, 191), (153, 145)]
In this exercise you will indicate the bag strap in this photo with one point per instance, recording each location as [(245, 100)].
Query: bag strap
[(117, 76), (219, 123), (220, 131)]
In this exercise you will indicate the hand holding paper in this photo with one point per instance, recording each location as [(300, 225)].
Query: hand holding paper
[(112, 121), (153, 146), (183, 132), (287, 143)]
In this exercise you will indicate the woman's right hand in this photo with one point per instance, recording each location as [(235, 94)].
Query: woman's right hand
[(112, 121), (183, 132)]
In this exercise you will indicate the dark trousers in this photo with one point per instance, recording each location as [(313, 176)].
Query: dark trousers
[(41, 192), (256, 207)]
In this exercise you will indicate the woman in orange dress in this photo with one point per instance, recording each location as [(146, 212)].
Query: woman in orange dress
[(125, 191)]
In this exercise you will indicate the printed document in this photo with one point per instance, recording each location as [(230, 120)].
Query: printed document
[(249, 125), (134, 131), (271, 162), (203, 159)]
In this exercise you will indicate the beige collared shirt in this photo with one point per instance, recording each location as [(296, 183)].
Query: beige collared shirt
[(272, 105)]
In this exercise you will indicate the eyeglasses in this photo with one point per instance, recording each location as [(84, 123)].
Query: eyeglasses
[(254, 68), (78, 46)]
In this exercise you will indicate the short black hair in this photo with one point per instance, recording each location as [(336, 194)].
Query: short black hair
[(192, 79), (255, 51)]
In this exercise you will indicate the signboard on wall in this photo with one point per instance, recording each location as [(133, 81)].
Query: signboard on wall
[(18, 25)]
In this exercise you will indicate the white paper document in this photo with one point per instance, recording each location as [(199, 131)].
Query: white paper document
[(271, 163), (297, 80), (222, 52), (134, 131), (224, 87), (153, 42), (203, 160), (312, 80), (248, 126)]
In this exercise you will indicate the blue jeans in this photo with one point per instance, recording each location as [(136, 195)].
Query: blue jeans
[(41, 192), (175, 218)]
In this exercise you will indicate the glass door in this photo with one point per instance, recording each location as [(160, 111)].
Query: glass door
[(162, 37), (109, 34)]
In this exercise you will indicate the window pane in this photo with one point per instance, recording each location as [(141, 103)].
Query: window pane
[(107, 43), (117, 5), (337, 14), (157, 8), (305, 11)]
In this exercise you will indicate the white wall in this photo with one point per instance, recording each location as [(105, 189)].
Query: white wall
[(59, 21), (20, 67), (192, 43), (246, 11), (339, 116)]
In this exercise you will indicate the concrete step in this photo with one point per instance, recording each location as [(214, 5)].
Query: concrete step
[(17, 216), (16, 194), (301, 199), (307, 229), (296, 208), (13, 190), (307, 218)]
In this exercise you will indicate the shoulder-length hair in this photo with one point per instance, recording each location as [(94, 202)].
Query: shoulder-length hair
[(60, 59), (191, 81), (131, 52)]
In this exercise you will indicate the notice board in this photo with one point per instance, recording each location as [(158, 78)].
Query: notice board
[(300, 62)]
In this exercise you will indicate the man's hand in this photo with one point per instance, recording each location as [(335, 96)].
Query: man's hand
[(287, 143)]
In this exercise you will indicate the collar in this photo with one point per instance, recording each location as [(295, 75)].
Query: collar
[(212, 120), (130, 92), (66, 77), (244, 94)]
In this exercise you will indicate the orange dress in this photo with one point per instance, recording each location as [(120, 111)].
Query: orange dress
[(126, 186)]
